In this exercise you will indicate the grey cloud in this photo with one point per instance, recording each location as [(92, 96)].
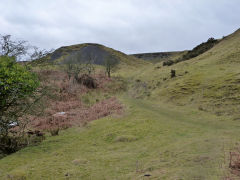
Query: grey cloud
[(128, 25)]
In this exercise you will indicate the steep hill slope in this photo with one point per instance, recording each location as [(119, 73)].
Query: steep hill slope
[(170, 58), (159, 56), (98, 53), (210, 82)]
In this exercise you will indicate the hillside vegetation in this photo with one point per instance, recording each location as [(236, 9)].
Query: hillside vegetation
[(198, 50), (160, 56), (210, 82), (180, 127)]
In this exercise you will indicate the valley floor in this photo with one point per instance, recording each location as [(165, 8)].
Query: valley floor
[(152, 139)]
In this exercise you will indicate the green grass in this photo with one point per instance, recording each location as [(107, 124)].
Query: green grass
[(164, 134), (164, 141), (210, 80)]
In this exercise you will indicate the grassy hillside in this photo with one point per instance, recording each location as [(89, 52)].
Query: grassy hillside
[(210, 82), (150, 139), (160, 57), (172, 128), (200, 49)]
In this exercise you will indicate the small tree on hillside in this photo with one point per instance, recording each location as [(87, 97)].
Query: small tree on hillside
[(73, 65), (110, 62), (89, 63), (73, 70)]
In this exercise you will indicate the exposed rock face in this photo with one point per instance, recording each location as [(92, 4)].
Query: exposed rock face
[(82, 53), (85, 52), (94, 52)]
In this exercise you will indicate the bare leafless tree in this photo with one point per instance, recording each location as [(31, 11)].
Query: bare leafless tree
[(76, 64), (110, 63), (37, 53), (20, 49), (89, 63), (73, 66), (8, 47)]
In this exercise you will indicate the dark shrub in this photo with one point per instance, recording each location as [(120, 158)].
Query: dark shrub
[(200, 49), (168, 63), (87, 81), (11, 144), (54, 131), (173, 73)]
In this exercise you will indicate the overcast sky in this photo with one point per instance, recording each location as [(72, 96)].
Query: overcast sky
[(131, 26)]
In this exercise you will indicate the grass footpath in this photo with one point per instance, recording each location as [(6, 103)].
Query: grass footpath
[(151, 138)]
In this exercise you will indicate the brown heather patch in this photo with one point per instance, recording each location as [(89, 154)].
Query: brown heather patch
[(76, 115), (59, 80), (102, 80), (66, 109), (234, 163)]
